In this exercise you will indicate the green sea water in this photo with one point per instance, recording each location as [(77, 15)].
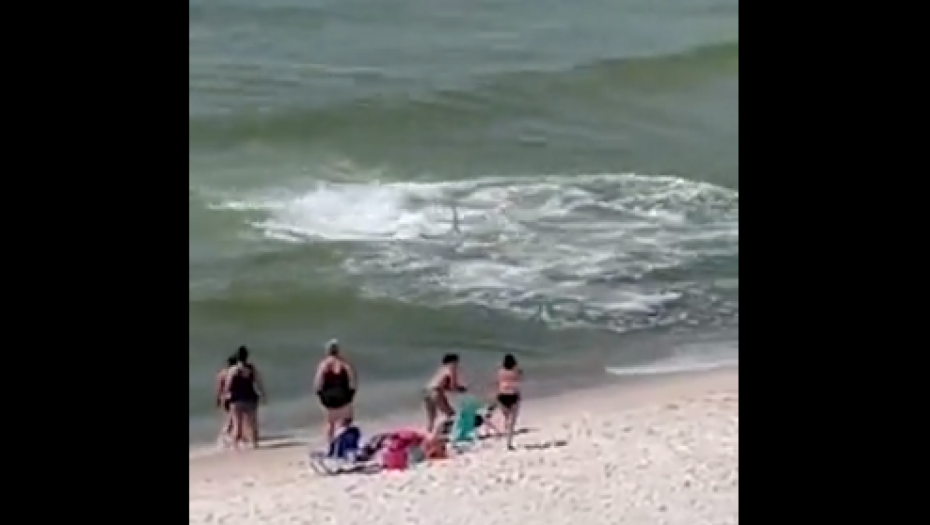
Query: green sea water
[(558, 180)]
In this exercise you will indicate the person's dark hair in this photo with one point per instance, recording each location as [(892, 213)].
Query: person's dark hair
[(448, 359), (510, 362), (242, 355), (232, 360)]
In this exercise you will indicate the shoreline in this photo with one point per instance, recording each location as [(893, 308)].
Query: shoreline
[(411, 416), (293, 410), (659, 450)]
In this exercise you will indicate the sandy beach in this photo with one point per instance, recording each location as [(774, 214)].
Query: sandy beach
[(663, 451)]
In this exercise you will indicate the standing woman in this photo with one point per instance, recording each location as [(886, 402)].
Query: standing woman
[(335, 385), (244, 390), (509, 377), (222, 400)]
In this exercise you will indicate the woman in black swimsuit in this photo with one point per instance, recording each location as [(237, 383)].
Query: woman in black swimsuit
[(509, 378), (335, 386), (244, 391)]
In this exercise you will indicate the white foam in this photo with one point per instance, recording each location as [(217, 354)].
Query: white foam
[(679, 365), (694, 356), (538, 247)]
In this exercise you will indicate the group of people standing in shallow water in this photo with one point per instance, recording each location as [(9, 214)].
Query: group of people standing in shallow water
[(239, 391)]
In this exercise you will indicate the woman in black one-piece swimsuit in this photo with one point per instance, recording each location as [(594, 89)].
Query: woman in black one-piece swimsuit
[(335, 387), (336, 391), (244, 392)]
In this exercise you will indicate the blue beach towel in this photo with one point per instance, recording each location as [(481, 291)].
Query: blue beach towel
[(343, 456)]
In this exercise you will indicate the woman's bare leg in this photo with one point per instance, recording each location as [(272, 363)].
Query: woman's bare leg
[(335, 418), (252, 419), (226, 428), (330, 426), (430, 407), (510, 422), (245, 435), (444, 407), (236, 417)]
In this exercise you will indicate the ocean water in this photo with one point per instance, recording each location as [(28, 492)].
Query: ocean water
[(555, 179)]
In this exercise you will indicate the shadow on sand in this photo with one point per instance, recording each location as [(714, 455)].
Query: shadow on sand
[(545, 445)]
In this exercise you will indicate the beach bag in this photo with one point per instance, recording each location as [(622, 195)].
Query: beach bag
[(402, 450), (394, 456)]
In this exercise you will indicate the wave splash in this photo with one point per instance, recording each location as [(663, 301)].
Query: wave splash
[(611, 250)]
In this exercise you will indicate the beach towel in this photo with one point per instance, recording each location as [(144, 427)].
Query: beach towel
[(344, 455), (346, 444), (466, 423), (482, 419), (374, 446)]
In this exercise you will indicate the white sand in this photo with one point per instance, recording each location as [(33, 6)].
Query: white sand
[(662, 453)]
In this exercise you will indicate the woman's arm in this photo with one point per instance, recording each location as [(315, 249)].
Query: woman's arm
[(226, 380), (220, 387), (350, 371), (456, 382), (318, 377), (257, 382)]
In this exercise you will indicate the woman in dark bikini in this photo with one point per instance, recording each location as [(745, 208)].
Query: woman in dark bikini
[(335, 386), (244, 391), (509, 377)]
